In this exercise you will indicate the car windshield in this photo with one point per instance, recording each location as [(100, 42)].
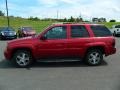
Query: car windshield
[(6, 29), (117, 26)]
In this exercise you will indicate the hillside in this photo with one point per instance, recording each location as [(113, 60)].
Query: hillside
[(18, 22), (37, 25)]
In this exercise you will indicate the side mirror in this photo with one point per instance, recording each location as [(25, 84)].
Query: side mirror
[(43, 38)]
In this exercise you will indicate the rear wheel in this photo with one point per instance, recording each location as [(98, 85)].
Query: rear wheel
[(22, 58), (94, 57)]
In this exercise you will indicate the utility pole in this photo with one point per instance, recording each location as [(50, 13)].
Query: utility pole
[(8, 21), (57, 14)]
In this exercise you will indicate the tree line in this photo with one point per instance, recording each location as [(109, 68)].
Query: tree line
[(71, 19)]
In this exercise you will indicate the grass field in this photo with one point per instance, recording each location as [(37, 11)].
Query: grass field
[(37, 25), (18, 22)]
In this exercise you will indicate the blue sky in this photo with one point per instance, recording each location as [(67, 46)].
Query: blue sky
[(88, 9)]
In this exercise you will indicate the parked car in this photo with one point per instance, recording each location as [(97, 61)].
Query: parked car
[(26, 31), (89, 42), (7, 33), (116, 30)]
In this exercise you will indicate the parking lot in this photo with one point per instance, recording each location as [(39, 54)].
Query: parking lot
[(61, 76)]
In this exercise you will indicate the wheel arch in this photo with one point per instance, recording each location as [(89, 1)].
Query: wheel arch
[(101, 48), (23, 48)]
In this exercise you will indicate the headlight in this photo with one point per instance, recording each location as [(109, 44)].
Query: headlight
[(15, 33), (2, 33)]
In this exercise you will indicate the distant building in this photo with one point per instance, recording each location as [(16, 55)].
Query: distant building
[(102, 19), (95, 20), (98, 20)]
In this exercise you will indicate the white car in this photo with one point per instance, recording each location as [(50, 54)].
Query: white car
[(116, 30)]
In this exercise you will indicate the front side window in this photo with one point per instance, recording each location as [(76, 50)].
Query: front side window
[(57, 33), (79, 32)]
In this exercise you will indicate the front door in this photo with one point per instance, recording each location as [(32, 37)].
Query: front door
[(55, 44)]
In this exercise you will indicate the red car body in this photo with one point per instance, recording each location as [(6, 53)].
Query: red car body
[(77, 47)]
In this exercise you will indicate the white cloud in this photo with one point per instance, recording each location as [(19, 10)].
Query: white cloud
[(109, 9)]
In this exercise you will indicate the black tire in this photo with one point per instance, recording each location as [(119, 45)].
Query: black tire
[(94, 57), (114, 34), (22, 61)]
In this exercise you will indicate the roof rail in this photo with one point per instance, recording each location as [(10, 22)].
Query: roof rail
[(74, 23)]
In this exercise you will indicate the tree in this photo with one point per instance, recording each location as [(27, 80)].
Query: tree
[(65, 20), (1, 13), (34, 18), (71, 19), (77, 20), (112, 20)]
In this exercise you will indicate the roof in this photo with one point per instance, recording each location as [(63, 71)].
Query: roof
[(58, 24)]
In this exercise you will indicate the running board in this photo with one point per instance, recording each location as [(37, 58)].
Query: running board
[(58, 60)]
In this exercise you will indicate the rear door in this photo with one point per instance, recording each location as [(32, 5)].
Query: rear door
[(79, 37)]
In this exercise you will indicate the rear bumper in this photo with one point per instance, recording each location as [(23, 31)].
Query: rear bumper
[(111, 51)]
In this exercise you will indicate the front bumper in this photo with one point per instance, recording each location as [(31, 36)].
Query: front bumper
[(8, 37), (7, 55)]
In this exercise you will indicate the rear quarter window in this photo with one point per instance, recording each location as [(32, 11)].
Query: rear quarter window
[(101, 31)]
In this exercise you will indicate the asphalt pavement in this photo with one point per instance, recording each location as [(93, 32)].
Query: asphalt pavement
[(61, 76)]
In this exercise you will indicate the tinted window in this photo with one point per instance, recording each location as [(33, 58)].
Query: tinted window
[(79, 31), (117, 26), (100, 31), (57, 33)]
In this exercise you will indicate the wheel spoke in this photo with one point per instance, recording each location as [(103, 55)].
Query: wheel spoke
[(19, 57), (23, 55)]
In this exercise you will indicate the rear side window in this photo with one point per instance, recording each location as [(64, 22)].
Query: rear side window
[(100, 31), (79, 32)]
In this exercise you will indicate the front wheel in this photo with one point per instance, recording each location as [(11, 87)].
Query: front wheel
[(94, 57), (22, 58)]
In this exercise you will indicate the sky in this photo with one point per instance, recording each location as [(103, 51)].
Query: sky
[(109, 9)]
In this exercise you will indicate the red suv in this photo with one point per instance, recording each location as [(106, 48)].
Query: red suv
[(88, 42)]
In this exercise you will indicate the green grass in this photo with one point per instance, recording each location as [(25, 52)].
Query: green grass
[(18, 22), (37, 25), (110, 24)]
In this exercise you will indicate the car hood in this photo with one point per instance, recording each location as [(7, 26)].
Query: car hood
[(30, 32), (26, 40)]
